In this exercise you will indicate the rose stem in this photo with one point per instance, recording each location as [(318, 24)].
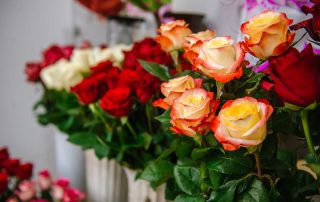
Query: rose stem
[(257, 157), (131, 129), (304, 119), (219, 89)]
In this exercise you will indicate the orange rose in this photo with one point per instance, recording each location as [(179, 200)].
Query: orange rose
[(193, 43), (220, 60), (192, 112), (174, 88), (268, 34), (172, 35), (242, 123)]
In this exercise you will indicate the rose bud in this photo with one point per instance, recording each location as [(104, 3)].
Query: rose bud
[(117, 101), (295, 76), (60, 185), (10, 165), (268, 34), (26, 190), (220, 60), (24, 171), (172, 35), (4, 155), (91, 89), (32, 71), (242, 123), (44, 180), (3, 181), (192, 112), (193, 43), (174, 88)]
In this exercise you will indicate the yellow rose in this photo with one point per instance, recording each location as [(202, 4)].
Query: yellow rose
[(193, 43), (268, 34), (192, 112), (242, 123), (220, 59), (172, 35), (174, 88)]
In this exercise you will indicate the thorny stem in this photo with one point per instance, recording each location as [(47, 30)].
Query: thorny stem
[(304, 120)]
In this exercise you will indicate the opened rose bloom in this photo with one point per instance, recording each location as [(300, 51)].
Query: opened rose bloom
[(174, 88), (193, 43), (242, 123), (268, 34), (220, 59), (172, 35), (192, 112)]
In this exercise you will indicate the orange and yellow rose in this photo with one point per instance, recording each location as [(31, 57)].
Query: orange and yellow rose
[(192, 112), (193, 43), (268, 34), (242, 123), (220, 59), (174, 88), (172, 35)]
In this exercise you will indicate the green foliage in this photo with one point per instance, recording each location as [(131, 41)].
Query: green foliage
[(150, 5), (157, 70), (188, 179)]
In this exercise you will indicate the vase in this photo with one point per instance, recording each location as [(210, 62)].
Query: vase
[(141, 191), (106, 180)]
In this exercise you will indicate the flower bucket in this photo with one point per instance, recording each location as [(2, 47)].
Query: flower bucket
[(105, 180)]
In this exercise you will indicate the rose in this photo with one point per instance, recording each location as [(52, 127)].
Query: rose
[(10, 165), (59, 187), (242, 123), (193, 43), (72, 195), (44, 180), (55, 53), (220, 60), (172, 35), (147, 87), (3, 181), (312, 25), (102, 7), (4, 155), (24, 171), (32, 70), (174, 88), (91, 88), (295, 76), (192, 112), (268, 34), (26, 190), (117, 101)]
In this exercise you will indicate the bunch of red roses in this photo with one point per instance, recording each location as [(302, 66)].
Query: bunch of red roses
[(116, 87), (16, 183), (49, 56)]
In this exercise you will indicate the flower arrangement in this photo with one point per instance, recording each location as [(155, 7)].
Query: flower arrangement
[(233, 120), (16, 183)]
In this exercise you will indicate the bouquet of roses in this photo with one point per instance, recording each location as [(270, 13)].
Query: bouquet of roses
[(16, 183), (244, 132)]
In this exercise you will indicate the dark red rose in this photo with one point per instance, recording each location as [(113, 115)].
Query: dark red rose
[(24, 171), (128, 77), (3, 181), (117, 101), (102, 67), (10, 165), (312, 25), (4, 154), (55, 53), (103, 7), (32, 70), (146, 87), (91, 88), (295, 76)]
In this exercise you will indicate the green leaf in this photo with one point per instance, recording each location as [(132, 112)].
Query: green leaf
[(188, 198), (84, 139), (157, 70), (255, 193), (172, 190), (164, 118), (188, 179), (230, 164), (101, 151), (157, 172), (313, 163), (215, 178), (184, 147), (225, 192), (199, 153)]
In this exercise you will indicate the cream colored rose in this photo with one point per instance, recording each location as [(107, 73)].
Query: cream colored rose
[(268, 34), (242, 123), (220, 59), (172, 35), (192, 112)]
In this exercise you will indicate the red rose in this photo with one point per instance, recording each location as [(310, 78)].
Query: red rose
[(55, 53), (129, 77), (117, 101), (102, 7), (91, 88), (4, 154), (102, 67), (3, 181), (24, 171), (295, 76), (32, 70), (312, 25), (10, 165), (146, 87)]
